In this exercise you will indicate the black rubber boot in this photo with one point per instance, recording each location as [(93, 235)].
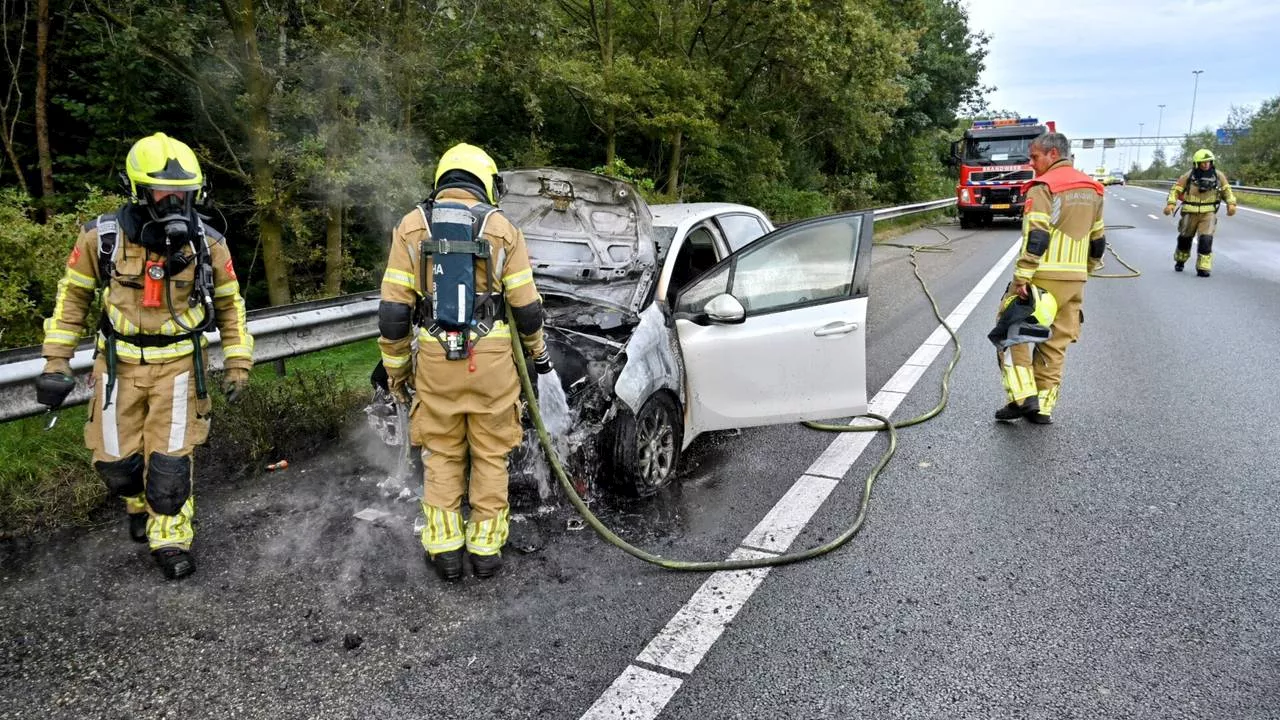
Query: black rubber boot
[(138, 527), (1013, 411), (448, 564), (1202, 273), (485, 566), (175, 563), (1177, 266), (1039, 418)]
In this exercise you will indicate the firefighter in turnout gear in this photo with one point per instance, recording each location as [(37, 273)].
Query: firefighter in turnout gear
[(1201, 190), (164, 279), (456, 263), (1062, 243)]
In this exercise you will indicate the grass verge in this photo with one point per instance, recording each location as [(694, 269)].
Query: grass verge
[(47, 478), (1262, 202), (896, 228)]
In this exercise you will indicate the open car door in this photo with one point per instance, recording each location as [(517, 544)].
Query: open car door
[(776, 332)]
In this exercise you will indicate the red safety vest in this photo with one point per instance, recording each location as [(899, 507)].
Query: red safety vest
[(1065, 177)]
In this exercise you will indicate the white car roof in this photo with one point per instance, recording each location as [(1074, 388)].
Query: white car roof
[(674, 214)]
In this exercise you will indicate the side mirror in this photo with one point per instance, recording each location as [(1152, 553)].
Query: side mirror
[(725, 309)]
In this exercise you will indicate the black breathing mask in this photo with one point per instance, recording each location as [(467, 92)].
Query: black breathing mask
[(1205, 180)]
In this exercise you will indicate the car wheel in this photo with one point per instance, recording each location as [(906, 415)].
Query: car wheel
[(966, 221), (646, 447)]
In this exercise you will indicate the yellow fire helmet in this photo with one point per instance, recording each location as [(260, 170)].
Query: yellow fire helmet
[(159, 162), (1027, 320), (471, 159), (1202, 155)]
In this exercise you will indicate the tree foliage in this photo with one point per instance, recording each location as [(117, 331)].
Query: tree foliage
[(319, 121)]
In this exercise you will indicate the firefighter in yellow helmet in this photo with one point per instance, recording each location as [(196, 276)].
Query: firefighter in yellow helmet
[(456, 263), (1202, 190), (1062, 242), (165, 279)]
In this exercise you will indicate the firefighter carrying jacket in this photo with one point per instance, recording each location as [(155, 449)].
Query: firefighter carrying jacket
[(161, 273), (1062, 242), (1201, 189), (465, 408)]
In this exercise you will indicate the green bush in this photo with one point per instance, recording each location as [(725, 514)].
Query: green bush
[(32, 259)]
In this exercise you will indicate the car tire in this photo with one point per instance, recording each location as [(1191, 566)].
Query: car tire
[(646, 446), (966, 221)]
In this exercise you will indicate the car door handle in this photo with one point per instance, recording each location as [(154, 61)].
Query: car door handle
[(836, 328)]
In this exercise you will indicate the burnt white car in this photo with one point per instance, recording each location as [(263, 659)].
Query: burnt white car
[(669, 321)]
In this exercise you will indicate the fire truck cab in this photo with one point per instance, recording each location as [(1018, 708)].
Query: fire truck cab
[(994, 164)]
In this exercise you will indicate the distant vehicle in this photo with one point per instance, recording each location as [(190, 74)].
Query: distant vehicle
[(994, 162), (1115, 178)]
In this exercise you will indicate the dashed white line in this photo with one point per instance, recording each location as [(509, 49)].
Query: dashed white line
[(641, 693), (1153, 217), (1133, 205)]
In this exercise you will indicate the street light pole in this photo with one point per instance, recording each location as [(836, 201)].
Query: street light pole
[(1159, 122), (1191, 124)]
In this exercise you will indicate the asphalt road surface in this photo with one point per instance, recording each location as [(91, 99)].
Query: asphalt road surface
[(1120, 563)]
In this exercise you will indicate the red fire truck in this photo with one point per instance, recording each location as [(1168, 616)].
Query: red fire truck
[(995, 165)]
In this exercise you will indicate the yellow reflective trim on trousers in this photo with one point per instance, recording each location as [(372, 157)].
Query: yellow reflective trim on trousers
[(399, 277), (442, 531), (488, 536), (80, 279), (1019, 382), (395, 361), (172, 530), (518, 279), (1048, 399)]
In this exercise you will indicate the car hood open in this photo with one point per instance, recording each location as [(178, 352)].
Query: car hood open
[(590, 237)]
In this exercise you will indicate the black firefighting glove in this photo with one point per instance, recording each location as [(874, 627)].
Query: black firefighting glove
[(234, 382), (55, 383), (542, 363)]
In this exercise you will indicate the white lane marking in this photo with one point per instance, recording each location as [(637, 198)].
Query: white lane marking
[(784, 522), (1131, 204), (695, 628), (1153, 217), (637, 693), (1238, 207), (640, 693)]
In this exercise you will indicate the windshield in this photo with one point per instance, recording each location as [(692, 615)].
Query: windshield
[(987, 151)]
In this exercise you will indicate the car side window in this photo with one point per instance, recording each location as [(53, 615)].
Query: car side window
[(809, 263), (697, 255), (693, 299), (740, 230)]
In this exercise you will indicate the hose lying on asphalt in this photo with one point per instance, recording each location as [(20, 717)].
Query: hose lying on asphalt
[(883, 425)]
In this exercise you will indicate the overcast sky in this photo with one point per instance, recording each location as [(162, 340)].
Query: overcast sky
[(1100, 67)]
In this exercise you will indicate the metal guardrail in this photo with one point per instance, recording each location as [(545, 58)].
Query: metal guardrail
[(890, 213), (279, 332), (1237, 188)]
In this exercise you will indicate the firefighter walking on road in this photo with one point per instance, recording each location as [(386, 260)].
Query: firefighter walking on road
[(1062, 242), (165, 279), (455, 265), (1201, 190)]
